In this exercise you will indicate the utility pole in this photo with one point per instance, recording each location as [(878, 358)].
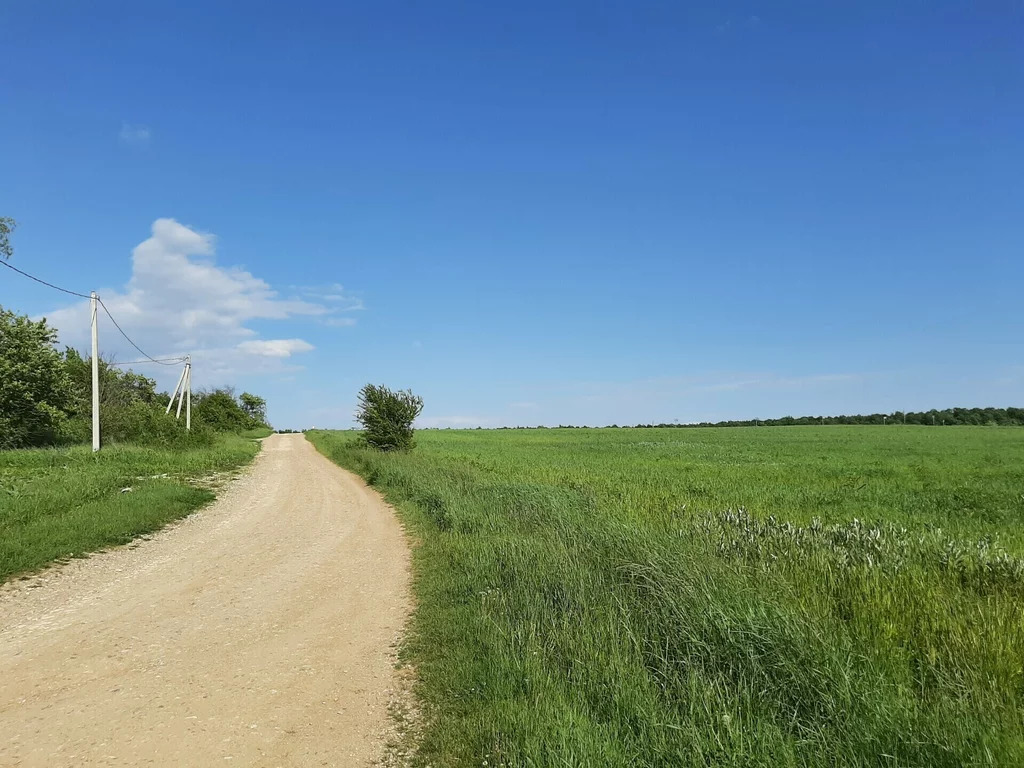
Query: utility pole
[(183, 391), (174, 394), (95, 375), (181, 395), (188, 394)]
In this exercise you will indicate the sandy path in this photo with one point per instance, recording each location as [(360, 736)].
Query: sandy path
[(258, 632)]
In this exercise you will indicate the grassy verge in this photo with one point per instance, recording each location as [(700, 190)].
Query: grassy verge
[(587, 598), (62, 503)]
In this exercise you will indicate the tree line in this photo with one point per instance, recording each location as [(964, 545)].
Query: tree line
[(949, 417), (46, 397)]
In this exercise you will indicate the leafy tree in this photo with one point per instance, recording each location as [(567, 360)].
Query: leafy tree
[(7, 226), (219, 410), (255, 407), (34, 387), (387, 417)]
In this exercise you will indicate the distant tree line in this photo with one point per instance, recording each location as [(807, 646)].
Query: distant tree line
[(46, 397), (979, 417), (950, 417)]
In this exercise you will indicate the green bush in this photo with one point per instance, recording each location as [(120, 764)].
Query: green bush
[(221, 411), (387, 417), (145, 425)]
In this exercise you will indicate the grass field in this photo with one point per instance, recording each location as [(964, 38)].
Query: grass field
[(61, 503), (787, 596)]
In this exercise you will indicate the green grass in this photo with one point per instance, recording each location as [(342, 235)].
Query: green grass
[(586, 597), (62, 503)]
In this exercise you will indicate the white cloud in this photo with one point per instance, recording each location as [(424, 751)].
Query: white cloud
[(339, 322), (135, 135), (178, 301), (275, 347)]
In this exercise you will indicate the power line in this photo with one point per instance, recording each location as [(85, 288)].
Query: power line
[(128, 339), (48, 285), (160, 359)]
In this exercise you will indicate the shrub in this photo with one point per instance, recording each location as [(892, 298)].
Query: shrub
[(387, 417), (143, 424), (221, 411)]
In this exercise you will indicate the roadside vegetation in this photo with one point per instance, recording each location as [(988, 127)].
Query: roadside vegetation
[(815, 596), (387, 417), (57, 498), (61, 503), (46, 398)]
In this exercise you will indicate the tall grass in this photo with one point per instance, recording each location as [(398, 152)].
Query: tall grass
[(599, 597), (61, 503)]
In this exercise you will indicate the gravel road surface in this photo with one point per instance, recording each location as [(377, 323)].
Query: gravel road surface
[(259, 631)]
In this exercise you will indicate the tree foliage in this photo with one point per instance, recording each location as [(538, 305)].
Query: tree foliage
[(7, 226), (255, 408), (387, 417), (993, 417), (223, 412), (46, 397), (34, 387)]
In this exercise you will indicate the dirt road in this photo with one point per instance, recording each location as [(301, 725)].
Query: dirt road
[(257, 632)]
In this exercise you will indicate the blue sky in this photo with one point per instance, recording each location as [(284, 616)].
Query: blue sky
[(531, 213)]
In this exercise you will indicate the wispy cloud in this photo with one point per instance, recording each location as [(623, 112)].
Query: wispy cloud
[(135, 135), (335, 294), (335, 298), (274, 347)]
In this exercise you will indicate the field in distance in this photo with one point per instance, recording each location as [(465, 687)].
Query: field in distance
[(773, 596)]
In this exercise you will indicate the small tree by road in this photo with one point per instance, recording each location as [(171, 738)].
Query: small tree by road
[(387, 417), (255, 408)]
